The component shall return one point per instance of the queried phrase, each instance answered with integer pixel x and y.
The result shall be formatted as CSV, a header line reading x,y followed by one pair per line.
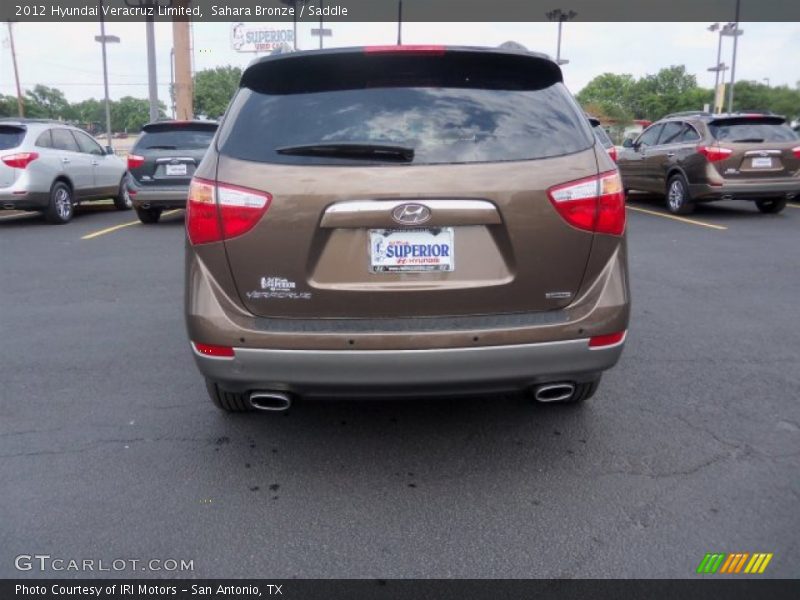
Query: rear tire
x,y
148,216
61,207
227,401
678,200
123,201
771,207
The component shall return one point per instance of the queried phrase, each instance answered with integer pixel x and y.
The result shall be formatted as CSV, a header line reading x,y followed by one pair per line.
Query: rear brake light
x,y
211,350
796,151
714,153
411,49
219,211
20,160
593,204
135,161
604,341
612,152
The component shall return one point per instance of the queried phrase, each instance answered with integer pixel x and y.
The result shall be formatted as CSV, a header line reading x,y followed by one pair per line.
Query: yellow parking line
x,y
793,205
677,218
95,234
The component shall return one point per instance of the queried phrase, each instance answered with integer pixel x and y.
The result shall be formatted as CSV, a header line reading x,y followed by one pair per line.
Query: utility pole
x,y
399,22
20,103
183,66
736,33
152,77
105,39
560,16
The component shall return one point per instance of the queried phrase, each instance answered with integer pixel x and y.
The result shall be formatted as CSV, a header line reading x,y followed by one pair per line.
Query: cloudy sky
x,y
66,55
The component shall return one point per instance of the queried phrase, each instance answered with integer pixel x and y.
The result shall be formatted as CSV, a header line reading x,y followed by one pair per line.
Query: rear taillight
x,y
796,152
20,160
211,350
592,204
714,153
135,161
612,152
411,49
220,211
606,341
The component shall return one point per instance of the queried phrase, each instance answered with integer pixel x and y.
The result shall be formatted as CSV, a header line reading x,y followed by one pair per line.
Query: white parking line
x,y
677,218
94,234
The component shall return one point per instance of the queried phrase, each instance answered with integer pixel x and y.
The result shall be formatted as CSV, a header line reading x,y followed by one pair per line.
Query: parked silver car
x,y
52,167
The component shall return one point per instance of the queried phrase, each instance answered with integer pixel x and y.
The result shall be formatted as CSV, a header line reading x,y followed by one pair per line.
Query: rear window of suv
x,y
182,138
751,130
10,137
443,114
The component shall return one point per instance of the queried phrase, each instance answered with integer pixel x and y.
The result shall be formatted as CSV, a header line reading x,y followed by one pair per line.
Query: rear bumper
x,y
159,196
749,190
24,201
399,372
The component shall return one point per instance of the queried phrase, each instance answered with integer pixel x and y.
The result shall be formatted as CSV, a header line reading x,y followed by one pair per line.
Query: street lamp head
x,y
559,15
107,39
713,27
562,61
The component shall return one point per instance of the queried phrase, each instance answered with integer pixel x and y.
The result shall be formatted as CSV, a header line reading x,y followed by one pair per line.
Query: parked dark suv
x,y
701,157
162,163
404,220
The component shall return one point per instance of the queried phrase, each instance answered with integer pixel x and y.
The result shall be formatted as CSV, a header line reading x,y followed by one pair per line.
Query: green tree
x,y
213,90
610,94
46,102
8,106
130,114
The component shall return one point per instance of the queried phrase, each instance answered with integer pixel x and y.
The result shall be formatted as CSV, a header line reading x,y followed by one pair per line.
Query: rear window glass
x,y
442,125
603,137
185,138
10,137
751,131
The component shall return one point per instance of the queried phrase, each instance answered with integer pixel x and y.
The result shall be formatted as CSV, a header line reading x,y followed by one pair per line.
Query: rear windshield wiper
x,y
748,141
157,147
351,150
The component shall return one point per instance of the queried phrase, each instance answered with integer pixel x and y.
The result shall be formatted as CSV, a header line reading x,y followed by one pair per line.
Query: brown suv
x,y
699,157
404,220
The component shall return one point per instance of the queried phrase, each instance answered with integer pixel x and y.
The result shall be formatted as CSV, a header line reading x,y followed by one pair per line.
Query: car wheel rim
x,y
675,195
126,196
63,204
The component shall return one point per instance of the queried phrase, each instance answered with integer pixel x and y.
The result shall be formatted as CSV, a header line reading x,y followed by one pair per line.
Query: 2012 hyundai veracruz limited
x,y
404,220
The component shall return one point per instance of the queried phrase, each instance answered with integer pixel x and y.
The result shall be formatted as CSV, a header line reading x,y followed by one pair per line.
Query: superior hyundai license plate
x,y
176,169
762,163
413,250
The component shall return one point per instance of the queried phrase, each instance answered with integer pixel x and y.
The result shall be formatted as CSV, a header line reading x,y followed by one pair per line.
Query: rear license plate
x,y
411,250
175,169
762,163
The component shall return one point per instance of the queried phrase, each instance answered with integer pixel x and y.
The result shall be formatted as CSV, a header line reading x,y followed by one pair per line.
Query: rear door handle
x,y
670,154
64,160
95,163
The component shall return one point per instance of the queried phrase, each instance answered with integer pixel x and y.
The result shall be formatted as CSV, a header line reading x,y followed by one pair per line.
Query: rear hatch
x,y
11,137
405,183
755,147
168,152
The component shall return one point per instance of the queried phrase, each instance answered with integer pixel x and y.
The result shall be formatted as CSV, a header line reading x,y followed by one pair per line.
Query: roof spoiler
x,y
400,66
173,124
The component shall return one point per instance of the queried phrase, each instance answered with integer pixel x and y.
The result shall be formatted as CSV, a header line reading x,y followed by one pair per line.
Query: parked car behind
x,y
602,137
52,167
162,162
404,220
699,157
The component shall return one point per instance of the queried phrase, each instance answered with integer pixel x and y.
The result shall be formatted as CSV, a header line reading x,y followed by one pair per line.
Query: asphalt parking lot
x,y
110,447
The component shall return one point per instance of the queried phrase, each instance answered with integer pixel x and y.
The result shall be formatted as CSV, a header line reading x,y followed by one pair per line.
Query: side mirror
x,y
109,150
627,143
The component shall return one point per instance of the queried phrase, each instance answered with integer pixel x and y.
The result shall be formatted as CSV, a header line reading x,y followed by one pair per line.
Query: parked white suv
x,y
52,167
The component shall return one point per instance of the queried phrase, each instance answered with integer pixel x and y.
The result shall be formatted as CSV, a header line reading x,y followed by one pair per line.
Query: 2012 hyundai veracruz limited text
x,y
404,220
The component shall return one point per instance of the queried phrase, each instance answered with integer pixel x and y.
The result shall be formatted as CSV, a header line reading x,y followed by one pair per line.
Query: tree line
x,y
610,96
622,97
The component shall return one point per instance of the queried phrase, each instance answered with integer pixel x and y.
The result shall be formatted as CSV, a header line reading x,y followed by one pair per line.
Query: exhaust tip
x,y
554,392
270,401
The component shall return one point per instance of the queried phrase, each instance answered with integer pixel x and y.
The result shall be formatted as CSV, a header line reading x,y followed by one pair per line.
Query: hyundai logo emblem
x,y
411,214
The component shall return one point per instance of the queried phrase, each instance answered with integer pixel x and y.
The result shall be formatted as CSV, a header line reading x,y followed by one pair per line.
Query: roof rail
x,y
688,113
31,120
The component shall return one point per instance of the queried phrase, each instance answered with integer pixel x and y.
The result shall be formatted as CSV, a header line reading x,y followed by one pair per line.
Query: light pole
x,y
105,39
560,16
712,28
735,32
20,104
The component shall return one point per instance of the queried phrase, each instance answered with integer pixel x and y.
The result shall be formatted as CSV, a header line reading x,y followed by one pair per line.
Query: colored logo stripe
x,y
734,562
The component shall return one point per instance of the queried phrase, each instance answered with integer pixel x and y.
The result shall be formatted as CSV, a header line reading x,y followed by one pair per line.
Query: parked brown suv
x,y
699,157
404,220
